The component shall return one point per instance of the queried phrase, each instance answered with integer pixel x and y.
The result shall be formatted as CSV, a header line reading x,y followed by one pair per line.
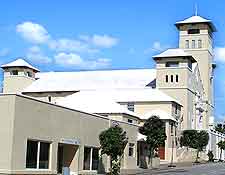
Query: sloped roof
x,y
94,102
159,113
196,19
73,81
137,95
19,63
174,53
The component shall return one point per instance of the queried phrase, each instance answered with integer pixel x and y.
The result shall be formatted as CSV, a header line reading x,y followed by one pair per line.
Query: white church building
x,y
51,120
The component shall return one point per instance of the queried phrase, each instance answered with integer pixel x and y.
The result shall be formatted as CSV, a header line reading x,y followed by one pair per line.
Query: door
x,y
162,153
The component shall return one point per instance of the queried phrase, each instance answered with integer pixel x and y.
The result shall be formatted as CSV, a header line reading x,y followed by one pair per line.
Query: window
x,y
177,78
31,160
44,155
29,74
130,106
131,150
199,43
37,155
167,78
193,31
193,44
190,64
49,98
91,158
14,72
171,78
171,128
187,44
176,109
129,120
172,64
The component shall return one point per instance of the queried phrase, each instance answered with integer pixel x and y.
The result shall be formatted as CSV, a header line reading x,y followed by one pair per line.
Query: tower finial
x,y
196,9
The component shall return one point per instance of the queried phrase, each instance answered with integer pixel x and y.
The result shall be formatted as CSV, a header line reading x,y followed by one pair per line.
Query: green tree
x,y
113,142
154,129
221,145
220,127
195,139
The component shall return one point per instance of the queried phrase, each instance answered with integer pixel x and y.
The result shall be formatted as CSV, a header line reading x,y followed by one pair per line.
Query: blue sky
x,y
76,35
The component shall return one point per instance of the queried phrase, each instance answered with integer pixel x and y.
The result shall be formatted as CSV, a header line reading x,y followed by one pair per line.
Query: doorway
x,y
66,157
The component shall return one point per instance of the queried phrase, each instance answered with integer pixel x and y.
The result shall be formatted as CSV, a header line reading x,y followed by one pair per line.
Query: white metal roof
x,y
196,19
102,79
159,113
172,53
136,95
94,102
19,63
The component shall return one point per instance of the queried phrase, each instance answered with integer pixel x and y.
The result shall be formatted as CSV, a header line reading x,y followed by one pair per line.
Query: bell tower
x,y
174,77
196,38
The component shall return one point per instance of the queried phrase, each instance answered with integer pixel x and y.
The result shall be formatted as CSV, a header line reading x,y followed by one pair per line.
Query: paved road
x,y
205,169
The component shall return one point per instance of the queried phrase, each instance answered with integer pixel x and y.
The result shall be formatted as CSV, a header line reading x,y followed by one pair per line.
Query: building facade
x,y
52,120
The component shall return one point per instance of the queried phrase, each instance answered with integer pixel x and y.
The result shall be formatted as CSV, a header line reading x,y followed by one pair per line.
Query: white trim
x,y
91,153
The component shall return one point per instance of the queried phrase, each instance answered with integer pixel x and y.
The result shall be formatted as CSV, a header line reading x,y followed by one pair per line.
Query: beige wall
x,y
16,83
6,132
42,121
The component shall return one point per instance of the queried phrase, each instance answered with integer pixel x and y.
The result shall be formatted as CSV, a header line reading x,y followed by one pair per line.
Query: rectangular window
x,y
91,158
171,78
187,44
95,159
29,74
129,121
172,64
171,128
87,158
190,64
199,43
177,78
130,106
167,78
14,72
37,155
193,31
176,109
131,150
31,158
193,44
44,155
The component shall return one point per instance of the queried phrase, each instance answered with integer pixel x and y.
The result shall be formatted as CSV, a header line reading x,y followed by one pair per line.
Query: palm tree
x,y
221,145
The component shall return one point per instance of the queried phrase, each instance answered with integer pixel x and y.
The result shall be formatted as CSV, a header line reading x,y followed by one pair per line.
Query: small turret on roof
x,y
196,20
174,53
19,63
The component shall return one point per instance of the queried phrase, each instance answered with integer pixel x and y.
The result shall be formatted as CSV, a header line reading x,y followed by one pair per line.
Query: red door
x,y
162,153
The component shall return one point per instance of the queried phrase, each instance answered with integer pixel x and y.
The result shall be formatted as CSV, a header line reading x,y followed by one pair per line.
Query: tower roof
x,y
174,53
19,63
196,19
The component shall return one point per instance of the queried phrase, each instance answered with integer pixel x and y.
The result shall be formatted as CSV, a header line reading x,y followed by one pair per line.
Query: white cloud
x,y
104,41
72,59
98,63
156,47
69,45
36,55
4,52
33,32
219,54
